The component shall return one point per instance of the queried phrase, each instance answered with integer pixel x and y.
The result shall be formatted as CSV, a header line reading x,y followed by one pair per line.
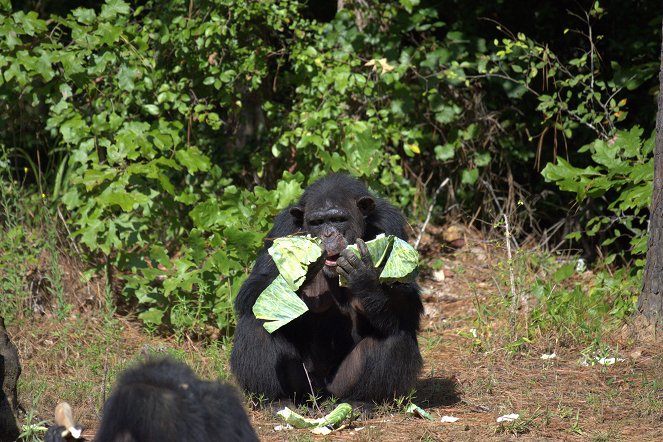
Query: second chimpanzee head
x,y
334,209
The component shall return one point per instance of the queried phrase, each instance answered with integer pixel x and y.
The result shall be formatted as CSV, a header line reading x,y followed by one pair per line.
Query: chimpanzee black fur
x,y
10,370
357,342
162,400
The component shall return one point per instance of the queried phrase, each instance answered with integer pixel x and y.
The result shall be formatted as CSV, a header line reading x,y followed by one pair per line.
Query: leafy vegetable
x,y
322,425
402,263
399,258
292,256
377,248
278,304
416,410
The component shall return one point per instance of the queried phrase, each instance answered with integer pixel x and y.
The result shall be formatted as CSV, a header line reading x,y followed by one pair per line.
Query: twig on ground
x,y
310,385
512,280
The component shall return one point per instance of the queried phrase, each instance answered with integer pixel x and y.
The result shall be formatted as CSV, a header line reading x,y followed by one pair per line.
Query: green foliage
x,y
155,121
579,95
30,272
581,312
126,92
562,302
169,134
622,174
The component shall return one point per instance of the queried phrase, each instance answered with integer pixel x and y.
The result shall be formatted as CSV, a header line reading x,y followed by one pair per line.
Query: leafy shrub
x,y
172,132
621,176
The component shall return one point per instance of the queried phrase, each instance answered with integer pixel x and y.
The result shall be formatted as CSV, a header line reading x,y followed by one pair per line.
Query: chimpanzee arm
x,y
388,307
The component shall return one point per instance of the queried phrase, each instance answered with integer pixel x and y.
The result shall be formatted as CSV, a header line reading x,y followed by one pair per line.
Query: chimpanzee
x,y
10,370
357,342
162,400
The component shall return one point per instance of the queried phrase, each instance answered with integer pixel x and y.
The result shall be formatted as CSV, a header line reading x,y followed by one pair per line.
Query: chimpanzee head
x,y
334,209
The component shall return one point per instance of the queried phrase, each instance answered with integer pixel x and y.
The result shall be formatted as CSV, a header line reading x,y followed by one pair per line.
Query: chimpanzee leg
x,y
378,369
266,364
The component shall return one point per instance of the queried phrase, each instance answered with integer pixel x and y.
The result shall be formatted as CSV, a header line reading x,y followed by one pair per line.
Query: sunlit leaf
x,y
292,256
278,304
322,425
401,266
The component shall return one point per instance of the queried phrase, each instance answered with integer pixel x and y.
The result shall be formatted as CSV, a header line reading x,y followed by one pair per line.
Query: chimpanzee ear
x,y
298,214
366,205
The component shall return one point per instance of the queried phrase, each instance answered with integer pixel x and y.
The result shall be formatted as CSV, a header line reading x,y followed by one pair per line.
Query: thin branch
x,y
430,211
310,385
512,280
69,236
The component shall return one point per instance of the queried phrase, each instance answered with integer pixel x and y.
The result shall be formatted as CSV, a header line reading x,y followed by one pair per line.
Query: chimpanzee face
x,y
336,222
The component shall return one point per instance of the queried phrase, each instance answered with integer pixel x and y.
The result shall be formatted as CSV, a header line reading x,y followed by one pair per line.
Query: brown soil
x,y
557,399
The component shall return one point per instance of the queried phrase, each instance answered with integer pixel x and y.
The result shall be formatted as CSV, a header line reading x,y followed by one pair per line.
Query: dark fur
x,y
10,370
363,347
162,400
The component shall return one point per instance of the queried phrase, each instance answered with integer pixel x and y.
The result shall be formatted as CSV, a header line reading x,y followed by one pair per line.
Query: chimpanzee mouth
x,y
330,261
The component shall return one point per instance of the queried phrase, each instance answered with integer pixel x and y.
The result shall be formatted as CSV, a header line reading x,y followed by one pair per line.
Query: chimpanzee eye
x,y
338,219
315,222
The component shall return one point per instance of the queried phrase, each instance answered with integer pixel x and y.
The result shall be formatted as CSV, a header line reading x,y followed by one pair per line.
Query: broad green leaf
x,y
402,263
84,15
470,176
112,8
322,425
444,152
377,248
416,410
152,316
278,304
292,256
193,159
400,259
151,109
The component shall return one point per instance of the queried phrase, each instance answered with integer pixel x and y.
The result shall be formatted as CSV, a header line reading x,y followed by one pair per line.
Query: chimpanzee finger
x,y
342,264
341,271
349,256
363,249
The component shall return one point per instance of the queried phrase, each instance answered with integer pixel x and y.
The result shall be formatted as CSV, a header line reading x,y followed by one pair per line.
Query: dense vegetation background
x,y
154,141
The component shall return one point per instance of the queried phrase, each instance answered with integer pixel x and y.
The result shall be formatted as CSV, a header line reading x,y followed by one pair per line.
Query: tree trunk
x,y
650,302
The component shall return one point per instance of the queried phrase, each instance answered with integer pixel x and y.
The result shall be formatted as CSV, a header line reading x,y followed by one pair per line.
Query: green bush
x,y
620,178
169,134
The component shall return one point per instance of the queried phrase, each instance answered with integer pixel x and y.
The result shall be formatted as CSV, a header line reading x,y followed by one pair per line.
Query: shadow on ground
x,y
438,392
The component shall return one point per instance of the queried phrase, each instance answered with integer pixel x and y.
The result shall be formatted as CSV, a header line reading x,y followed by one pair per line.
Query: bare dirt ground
x,y
557,399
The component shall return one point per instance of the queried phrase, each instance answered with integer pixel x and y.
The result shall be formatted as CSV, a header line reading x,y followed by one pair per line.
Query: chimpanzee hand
x,y
360,273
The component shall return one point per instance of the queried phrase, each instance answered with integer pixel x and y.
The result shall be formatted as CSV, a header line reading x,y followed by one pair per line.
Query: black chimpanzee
x,y
356,342
162,400
10,370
